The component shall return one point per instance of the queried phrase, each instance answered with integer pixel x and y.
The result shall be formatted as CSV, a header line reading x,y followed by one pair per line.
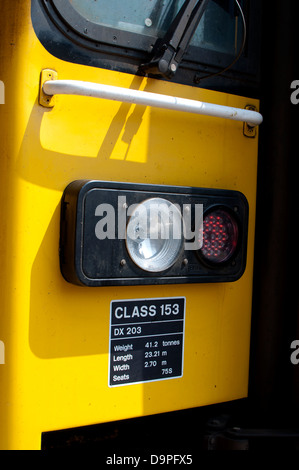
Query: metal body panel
x,y
56,335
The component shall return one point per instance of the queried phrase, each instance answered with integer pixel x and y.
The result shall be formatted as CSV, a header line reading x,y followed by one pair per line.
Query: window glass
x,y
149,17
220,28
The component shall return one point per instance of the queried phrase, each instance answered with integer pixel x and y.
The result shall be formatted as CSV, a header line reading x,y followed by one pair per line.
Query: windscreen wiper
x,y
169,51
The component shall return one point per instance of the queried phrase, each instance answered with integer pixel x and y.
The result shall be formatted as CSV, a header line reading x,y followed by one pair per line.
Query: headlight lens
x,y
155,235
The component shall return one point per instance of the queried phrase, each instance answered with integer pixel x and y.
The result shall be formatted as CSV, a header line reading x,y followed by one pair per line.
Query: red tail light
x,y
220,236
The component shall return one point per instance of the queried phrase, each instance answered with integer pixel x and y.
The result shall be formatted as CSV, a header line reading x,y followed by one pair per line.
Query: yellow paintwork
x,y
56,335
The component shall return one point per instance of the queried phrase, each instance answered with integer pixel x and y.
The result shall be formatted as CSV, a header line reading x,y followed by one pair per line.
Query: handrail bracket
x,y
47,101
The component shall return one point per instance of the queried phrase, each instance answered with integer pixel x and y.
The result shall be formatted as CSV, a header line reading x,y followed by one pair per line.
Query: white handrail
x,y
74,87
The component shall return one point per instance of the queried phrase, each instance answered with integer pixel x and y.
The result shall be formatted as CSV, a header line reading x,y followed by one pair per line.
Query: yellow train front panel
x,y
57,335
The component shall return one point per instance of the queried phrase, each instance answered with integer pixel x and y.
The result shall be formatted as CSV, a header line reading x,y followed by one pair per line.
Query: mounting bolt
x,y
148,22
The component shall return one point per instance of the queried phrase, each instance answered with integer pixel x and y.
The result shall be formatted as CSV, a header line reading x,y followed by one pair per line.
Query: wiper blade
x,y
169,51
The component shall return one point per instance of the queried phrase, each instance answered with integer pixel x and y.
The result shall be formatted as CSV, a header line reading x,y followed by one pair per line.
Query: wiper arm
x,y
169,51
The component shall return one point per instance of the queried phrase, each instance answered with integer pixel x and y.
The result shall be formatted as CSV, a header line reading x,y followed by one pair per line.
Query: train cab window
x,y
123,34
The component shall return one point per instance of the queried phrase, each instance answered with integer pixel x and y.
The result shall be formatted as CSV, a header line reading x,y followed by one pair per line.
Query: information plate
x,y
146,340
